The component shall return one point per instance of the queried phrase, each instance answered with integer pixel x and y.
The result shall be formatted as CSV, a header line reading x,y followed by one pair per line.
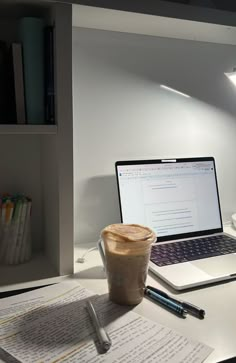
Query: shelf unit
x,y
28,129
37,160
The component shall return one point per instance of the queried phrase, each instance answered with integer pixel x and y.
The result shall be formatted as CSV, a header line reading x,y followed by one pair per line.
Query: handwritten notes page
x,y
60,330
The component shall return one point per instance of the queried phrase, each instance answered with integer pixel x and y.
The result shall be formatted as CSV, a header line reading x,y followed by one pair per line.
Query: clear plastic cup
x,y
127,254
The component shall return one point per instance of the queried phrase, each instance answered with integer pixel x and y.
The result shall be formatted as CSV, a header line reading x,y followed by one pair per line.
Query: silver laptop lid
x,y
177,198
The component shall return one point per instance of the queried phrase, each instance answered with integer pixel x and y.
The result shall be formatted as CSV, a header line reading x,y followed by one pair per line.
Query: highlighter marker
x,y
191,309
173,306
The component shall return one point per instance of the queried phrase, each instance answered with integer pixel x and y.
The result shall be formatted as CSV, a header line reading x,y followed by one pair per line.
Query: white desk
x,y
217,330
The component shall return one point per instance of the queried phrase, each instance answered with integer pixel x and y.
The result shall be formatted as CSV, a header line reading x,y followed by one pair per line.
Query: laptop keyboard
x,y
190,250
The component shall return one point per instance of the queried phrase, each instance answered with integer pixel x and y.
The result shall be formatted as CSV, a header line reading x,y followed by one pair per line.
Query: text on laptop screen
x,y
171,198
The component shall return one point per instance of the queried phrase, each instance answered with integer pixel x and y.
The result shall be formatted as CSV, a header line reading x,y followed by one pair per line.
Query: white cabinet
x,y
37,160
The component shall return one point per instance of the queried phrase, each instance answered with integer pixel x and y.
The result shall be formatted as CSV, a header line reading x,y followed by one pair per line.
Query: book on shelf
x,y
19,88
7,97
49,75
3,65
38,58
12,100
31,35
27,92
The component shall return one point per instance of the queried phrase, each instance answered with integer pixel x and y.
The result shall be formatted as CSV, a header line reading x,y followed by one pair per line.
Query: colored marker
x,y
191,309
173,306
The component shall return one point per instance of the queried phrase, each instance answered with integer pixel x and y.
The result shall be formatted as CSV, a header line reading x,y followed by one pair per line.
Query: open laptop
x,y
179,200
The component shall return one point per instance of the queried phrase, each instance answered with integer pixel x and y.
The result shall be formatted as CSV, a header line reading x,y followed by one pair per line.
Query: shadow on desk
x,y
63,323
230,360
20,291
95,272
6,357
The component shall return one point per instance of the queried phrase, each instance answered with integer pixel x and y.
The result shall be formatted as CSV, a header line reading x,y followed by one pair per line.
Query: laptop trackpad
x,y
218,266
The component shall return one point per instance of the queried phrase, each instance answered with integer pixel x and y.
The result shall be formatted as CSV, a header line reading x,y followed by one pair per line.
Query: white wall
x,y
121,113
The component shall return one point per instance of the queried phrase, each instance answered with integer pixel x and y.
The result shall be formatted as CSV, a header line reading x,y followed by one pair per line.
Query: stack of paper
x,y
52,325
15,240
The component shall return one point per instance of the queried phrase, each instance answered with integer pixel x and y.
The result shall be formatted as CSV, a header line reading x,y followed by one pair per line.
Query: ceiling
x,y
94,17
227,5
206,11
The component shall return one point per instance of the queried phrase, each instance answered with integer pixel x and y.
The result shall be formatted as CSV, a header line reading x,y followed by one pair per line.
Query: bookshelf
x,y
28,129
38,159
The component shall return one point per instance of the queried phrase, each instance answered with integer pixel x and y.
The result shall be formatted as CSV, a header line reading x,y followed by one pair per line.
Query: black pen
x,y
191,309
172,305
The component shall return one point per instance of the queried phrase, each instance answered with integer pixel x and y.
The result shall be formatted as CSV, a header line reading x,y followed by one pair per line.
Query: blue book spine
x,y
31,32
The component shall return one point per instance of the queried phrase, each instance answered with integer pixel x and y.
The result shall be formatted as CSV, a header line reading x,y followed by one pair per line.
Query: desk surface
x,y
216,330
219,301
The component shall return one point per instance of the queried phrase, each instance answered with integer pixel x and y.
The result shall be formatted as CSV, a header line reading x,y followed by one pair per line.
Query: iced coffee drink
x,y
127,250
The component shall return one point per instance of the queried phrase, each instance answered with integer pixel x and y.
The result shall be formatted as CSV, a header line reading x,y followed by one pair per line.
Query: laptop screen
x,y
177,198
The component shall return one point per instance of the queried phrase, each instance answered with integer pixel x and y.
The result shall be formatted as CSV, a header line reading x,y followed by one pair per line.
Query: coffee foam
x,y
128,232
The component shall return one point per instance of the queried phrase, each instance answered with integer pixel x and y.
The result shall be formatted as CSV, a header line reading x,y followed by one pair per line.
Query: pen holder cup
x,y
15,242
127,252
